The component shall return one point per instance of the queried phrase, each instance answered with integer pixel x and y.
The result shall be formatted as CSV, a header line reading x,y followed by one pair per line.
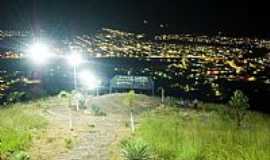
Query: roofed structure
x,y
124,82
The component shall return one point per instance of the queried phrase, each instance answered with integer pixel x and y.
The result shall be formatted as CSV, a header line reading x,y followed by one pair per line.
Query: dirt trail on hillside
x,y
92,136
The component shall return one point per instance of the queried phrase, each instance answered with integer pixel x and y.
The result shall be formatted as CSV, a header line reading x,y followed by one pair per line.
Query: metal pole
x,y
162,95
110,86
97,91
75,76
75,85
153,88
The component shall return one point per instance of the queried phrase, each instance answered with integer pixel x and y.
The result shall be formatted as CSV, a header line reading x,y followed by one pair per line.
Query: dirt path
x,y
92,136
95,142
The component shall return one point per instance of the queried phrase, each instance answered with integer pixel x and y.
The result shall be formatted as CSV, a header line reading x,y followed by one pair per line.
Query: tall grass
x,y
17,125
192,135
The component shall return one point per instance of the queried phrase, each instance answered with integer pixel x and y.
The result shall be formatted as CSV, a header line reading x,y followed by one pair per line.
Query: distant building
x,y
126,82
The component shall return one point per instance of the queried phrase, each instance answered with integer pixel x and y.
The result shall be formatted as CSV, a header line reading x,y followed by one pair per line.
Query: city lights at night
x,y
134,80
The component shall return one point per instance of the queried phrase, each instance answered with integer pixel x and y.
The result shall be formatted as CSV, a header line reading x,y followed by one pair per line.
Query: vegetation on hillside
x,y
207,132
194,135
204,132
238,107
18,124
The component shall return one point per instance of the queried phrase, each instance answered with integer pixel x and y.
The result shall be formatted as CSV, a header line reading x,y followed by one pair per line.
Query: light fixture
x,y
89,80
75,59
39,53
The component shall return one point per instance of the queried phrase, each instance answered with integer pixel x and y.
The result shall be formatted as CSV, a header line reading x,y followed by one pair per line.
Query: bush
x,y
130,98
64,94
68,143
97,111
238,107
135,149
14,97
78,97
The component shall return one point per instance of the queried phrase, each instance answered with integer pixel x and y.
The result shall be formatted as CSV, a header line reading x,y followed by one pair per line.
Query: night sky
x,y
192,16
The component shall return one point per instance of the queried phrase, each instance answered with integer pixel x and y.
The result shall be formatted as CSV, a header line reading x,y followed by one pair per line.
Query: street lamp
x,y
75,60
39,53
89,80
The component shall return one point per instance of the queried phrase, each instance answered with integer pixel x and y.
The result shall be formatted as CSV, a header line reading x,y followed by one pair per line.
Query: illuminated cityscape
x,y
134,80
200,59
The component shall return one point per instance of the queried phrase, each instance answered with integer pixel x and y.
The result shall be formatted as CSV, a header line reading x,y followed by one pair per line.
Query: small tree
x,y
130,98
238,107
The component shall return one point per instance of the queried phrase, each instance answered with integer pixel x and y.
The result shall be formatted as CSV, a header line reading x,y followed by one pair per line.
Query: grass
x,y
18,124
171,134
205,135
68,143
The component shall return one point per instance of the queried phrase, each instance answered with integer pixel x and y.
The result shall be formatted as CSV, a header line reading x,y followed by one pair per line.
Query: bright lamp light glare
x,y
39,53
75,59
89,80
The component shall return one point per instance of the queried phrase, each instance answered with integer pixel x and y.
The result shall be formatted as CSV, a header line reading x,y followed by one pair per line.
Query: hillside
x,y
91,136
48,129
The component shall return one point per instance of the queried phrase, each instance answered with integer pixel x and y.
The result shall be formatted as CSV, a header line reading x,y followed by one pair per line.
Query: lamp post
x,y
75,59
75,76
39,54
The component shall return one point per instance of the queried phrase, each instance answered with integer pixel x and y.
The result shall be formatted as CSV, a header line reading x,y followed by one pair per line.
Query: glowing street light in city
x,y
75,59
89,80
39,53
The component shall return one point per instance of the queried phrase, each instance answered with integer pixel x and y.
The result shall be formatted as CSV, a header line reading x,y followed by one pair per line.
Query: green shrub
x,y
238,107
130,98
68,143
78,97
14,97
64,94
135,149
97,110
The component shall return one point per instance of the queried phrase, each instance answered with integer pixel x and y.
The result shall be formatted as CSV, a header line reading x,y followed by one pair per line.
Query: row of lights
x,y
40,53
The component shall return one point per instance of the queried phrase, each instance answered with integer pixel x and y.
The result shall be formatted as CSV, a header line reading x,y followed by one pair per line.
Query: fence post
x,y
162,95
